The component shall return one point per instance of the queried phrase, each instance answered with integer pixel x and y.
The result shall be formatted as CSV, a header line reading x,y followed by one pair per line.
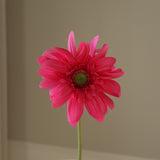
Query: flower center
x,y
81,78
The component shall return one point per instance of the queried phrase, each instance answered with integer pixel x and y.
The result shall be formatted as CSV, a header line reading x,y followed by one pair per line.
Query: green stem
x,y
79,141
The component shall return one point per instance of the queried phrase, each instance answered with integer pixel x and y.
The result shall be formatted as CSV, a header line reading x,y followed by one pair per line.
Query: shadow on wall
x,y
16,69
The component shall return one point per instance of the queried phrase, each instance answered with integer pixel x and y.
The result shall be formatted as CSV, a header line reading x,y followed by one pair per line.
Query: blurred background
x,y
132,30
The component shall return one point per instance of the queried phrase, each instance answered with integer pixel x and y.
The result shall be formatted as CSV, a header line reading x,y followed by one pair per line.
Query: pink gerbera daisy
x,y
81,77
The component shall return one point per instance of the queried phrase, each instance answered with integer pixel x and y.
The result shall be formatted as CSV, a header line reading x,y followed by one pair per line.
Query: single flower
x,y
82,77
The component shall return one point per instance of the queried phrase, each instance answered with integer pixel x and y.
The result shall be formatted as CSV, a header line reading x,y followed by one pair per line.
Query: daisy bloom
x,y
82,76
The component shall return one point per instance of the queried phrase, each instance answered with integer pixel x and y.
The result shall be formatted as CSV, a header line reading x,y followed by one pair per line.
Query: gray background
x,y
132,30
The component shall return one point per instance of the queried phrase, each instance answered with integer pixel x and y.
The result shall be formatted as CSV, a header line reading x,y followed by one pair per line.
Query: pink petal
x,y
48,83
92,46
108,101
53,54
60,54
65,53
96,107
41,60
113,74
49,53
103,51
82,53
75,108
60,94
105,64
48,73
51,63
112,87
71,43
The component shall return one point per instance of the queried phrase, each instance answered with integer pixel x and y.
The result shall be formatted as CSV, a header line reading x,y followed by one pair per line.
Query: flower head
x,y
81,77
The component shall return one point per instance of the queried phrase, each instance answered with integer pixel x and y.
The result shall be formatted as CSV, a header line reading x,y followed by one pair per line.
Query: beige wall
x,y
132,30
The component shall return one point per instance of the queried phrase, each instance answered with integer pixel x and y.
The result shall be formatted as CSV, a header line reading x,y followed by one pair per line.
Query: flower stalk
x,y
79,141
